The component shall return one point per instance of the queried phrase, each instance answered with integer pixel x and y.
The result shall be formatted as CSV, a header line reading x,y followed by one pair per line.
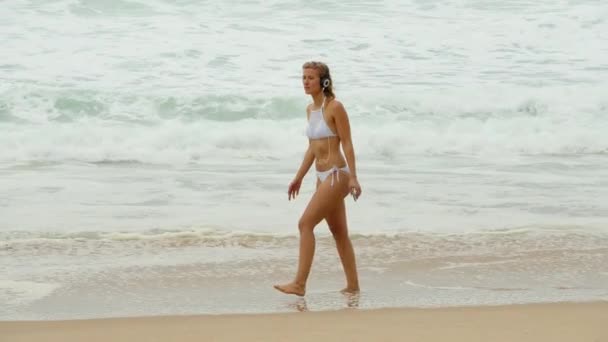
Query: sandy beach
x,y
553,322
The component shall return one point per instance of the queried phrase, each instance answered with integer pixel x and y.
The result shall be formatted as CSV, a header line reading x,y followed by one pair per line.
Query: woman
x,y
328,127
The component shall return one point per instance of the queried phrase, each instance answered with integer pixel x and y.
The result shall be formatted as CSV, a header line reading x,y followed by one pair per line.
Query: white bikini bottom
x,y
333,171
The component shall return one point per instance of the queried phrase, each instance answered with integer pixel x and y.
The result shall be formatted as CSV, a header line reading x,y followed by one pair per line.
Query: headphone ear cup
x,y
326,82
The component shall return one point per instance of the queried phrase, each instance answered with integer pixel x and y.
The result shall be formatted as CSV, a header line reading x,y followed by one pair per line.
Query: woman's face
x,y
311,81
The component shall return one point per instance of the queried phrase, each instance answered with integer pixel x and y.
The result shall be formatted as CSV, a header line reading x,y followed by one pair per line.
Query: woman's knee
x,y
304,226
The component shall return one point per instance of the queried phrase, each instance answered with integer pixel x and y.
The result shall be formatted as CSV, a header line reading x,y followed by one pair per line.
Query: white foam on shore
x,y
21,292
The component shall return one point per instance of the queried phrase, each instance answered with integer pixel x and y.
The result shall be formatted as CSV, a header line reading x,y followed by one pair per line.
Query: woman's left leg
x,y
323,201
336,220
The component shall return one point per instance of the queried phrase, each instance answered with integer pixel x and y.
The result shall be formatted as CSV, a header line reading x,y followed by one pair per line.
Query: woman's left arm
x,y
343,128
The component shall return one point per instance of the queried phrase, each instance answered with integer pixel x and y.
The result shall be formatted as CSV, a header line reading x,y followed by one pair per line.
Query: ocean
x,y
146,149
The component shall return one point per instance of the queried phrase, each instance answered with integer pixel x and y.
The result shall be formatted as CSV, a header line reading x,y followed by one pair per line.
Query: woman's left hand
x,y
354,187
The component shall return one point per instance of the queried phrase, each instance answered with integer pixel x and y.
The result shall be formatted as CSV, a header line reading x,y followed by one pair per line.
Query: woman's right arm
x,y
309,158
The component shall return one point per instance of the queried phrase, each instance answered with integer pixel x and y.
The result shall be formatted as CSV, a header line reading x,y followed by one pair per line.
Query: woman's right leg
x,y
336,220
323,201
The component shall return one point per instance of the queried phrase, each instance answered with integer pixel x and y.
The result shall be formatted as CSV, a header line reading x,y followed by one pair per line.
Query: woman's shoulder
x,y
335,105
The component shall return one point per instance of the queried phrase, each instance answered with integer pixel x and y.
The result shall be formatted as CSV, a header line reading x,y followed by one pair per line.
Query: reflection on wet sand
x,y
351,301
299,305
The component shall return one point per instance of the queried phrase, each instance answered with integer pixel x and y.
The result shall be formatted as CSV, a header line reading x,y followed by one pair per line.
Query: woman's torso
x,y
324,141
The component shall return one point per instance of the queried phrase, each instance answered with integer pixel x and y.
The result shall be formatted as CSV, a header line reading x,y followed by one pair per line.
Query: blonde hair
x,y
323,70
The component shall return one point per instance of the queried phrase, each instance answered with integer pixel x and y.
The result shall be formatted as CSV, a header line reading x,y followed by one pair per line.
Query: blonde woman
x,y
328,128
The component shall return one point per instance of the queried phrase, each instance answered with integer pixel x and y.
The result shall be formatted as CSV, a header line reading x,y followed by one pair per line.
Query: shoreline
x,y
557,321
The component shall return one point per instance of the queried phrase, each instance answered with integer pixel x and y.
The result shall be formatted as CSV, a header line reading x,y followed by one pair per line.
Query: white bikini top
x,y
317,127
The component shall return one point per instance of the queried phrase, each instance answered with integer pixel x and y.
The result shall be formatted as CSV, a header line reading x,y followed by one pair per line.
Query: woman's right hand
x,y
294,189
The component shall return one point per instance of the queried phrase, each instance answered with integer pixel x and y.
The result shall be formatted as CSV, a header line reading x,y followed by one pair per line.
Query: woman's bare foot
x,y
350,290
292,288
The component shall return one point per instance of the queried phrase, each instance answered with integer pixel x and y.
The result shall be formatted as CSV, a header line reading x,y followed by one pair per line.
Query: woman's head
x,y
316,78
